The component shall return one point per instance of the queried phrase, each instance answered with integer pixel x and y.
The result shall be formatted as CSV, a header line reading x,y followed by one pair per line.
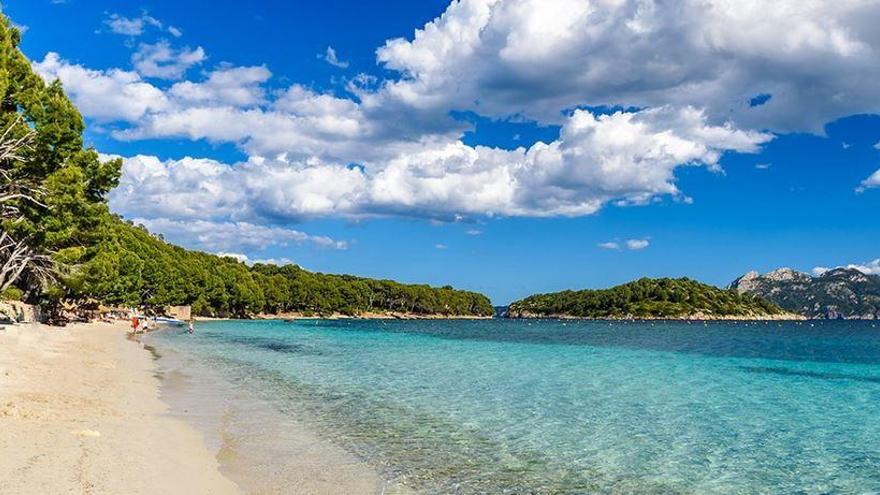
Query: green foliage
x,y
645,298
12,294
129,266
63,183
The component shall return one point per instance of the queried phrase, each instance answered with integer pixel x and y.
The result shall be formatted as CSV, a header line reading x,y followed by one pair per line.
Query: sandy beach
x,y
81,411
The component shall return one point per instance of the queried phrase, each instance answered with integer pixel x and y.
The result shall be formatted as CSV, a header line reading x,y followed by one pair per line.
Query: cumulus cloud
x,y
814,60
104,95
609,245
136,26
232,237
638,89
162,61
869,268
623,157
871,182
241,258
820,270
235,86
331,58
127,26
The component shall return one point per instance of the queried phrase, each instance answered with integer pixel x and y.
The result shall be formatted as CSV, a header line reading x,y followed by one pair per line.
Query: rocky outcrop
x,y
842,293
19,312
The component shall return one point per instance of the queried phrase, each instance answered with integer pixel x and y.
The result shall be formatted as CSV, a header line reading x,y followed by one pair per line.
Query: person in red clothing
x,y
135,323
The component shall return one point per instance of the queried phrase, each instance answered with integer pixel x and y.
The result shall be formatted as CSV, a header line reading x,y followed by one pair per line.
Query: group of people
x,y
138,326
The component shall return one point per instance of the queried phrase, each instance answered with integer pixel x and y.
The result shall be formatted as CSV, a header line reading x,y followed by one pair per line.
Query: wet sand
x,y
260,447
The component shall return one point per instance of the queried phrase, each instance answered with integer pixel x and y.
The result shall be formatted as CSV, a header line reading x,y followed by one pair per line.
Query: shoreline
x,y
687,318
341,316
80,412
260,447
89,408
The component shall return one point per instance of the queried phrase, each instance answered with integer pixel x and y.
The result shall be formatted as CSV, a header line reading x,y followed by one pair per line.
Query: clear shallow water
x,y
509,406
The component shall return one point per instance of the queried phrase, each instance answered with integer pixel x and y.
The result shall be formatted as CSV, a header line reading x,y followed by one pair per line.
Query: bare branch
x,y
18,258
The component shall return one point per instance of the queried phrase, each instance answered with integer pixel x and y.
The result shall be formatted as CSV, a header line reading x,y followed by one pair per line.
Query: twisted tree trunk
x,y
17,256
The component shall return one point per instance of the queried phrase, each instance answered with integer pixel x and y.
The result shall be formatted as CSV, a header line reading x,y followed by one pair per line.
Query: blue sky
x,y
399,159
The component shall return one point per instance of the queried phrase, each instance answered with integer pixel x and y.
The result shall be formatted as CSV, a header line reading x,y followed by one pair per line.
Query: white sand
x,y
80,413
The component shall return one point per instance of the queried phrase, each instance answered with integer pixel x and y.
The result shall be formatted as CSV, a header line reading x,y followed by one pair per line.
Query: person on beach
x,y
190,329
135,322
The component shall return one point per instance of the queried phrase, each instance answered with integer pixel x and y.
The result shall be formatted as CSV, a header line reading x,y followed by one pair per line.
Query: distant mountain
x,y
663,298
839,293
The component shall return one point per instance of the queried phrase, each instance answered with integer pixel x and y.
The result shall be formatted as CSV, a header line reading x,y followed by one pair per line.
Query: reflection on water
x,y
573,407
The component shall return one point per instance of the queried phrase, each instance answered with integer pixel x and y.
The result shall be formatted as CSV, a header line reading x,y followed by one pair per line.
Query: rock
x,y
835,294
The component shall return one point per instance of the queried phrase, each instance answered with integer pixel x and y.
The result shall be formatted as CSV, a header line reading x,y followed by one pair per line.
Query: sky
x,y
504,146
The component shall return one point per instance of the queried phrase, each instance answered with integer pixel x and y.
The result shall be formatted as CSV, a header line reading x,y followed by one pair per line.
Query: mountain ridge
x,y
839,293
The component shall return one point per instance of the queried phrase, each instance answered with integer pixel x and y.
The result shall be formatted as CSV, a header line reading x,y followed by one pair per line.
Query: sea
x,y
555,407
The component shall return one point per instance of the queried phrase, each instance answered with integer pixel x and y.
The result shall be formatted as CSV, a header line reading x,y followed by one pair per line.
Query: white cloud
x,y
687,70
820,270
877,145
631,244
232,237
869,268
135,26
816,60
241,258
440,246
637,244
131,26
624,157
273,261
331,58
236,86
104,95
762,166
474,232
161,61
871,182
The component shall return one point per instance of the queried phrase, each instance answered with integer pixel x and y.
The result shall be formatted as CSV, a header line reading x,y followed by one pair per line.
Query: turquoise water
x,y
507,406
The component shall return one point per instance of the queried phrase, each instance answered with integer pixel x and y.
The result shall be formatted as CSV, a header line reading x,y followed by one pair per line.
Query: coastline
x,y
80,412
260,447
525,315
340,316
86,409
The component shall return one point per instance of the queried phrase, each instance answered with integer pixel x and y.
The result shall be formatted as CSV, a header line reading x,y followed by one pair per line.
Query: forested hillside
x,y
129,266
647,298
60,243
